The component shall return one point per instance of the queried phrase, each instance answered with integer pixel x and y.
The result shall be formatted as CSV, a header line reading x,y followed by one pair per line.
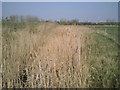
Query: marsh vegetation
x,y
48,54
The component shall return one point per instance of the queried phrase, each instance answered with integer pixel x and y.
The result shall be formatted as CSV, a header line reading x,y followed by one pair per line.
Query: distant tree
x,y
32,19
63,21
110,20
14,18
75,21
22,19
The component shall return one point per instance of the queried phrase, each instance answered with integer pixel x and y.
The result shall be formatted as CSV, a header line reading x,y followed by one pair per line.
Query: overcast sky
x,y
84,11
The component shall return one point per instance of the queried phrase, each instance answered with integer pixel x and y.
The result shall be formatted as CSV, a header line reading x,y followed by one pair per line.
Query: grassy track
x,y
104,62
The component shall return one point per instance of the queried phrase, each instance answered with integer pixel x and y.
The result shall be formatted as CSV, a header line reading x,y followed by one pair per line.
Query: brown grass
x,y
49,55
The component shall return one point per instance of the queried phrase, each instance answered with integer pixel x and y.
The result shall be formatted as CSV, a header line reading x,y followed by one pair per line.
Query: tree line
x,y
22,19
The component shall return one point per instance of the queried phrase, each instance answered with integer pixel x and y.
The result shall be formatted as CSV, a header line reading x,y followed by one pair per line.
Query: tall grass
x,y
51,55
46,56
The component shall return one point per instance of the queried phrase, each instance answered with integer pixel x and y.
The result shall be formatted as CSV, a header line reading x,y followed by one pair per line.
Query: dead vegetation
x,y
49,55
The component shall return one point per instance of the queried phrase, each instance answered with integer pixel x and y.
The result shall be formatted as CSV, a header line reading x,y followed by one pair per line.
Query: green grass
x,y
15,26
104,60
112,31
